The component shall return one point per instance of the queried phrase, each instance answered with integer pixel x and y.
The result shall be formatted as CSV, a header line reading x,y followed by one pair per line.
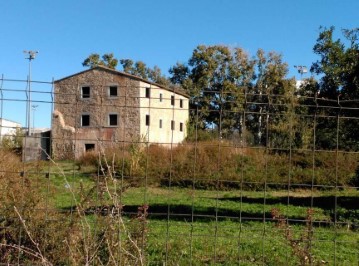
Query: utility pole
x,y
31,56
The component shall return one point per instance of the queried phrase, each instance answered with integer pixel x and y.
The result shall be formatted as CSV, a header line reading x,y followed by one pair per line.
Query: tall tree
x,y
338,66
140,69
137,68
224,84
94,59
272,101
212,79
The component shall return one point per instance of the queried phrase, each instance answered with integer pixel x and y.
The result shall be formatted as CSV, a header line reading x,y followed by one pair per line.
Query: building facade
x,y
8,128
102,107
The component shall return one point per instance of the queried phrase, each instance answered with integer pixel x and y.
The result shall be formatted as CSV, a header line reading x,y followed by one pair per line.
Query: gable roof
x,y
116,72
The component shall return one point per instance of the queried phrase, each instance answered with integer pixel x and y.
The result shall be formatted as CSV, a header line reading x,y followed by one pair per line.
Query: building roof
x,y
116,72
8,120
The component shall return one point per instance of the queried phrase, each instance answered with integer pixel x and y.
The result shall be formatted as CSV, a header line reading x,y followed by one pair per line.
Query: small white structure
x,y
8,127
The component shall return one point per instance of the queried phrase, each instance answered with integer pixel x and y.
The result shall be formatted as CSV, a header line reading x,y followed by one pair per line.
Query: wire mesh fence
x,y
132,173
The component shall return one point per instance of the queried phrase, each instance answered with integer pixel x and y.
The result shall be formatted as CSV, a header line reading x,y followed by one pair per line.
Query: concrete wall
x,y
36,147
157,110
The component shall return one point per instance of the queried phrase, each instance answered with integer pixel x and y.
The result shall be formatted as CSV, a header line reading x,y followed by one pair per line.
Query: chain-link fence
x,y
259,179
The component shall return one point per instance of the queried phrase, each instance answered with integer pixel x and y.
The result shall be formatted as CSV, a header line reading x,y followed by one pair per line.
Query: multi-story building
x,y
102,106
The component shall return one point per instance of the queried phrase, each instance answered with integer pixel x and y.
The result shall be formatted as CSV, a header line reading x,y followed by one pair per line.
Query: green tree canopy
x,y
94,59
222,80
137,68
338,88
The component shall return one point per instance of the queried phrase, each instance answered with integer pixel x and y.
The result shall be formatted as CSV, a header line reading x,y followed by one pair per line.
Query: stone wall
x,y
69,136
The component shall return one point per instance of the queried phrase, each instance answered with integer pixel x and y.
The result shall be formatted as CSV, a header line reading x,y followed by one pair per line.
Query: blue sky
x,y
158,32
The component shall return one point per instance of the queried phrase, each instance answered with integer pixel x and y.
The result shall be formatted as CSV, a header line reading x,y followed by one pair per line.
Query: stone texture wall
x,y
69,137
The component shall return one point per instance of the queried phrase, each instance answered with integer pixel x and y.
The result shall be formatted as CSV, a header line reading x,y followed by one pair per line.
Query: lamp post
x,y
301,70
31,56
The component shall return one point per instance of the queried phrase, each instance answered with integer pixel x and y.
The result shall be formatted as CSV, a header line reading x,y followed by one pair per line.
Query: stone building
x,y
102,107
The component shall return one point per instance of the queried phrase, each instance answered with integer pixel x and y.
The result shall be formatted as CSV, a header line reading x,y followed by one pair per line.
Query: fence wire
x,y
261,179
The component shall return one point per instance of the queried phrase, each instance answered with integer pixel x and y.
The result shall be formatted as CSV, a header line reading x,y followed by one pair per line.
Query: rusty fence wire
x,y
260,179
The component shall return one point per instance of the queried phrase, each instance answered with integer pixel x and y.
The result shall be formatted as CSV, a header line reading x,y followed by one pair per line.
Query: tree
x,y
235,93
94,60
339,88
214,78
137,68
140,69
272,103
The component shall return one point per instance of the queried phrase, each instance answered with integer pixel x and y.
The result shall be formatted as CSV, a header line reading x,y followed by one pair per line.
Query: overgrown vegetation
x,y
102,217
34,232
222,165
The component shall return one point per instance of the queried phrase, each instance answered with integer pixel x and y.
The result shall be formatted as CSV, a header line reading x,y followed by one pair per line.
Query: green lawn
x,y
192,226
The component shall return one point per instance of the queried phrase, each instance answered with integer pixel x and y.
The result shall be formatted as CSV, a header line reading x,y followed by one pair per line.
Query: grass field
x,y
192,226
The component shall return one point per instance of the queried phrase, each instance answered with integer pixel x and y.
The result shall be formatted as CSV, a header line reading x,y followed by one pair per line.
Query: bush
x,y
20,218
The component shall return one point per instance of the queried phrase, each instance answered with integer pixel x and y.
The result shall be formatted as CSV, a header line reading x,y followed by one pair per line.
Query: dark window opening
x,y
85,92
172,100
172,125
181,127
181,103
148,92
160,123
89,147
161,97
147,120
113,91
112,119
85,120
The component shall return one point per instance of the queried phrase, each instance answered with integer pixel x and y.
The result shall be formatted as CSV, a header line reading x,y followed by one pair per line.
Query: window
x,y
89,147
172,100
85,92
172,125
181,103
112,91
112,120
148,92
160,123
161,97
85,120
181,127
147,120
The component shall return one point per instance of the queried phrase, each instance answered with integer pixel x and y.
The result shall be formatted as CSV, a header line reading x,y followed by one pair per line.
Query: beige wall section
x,y
162,110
